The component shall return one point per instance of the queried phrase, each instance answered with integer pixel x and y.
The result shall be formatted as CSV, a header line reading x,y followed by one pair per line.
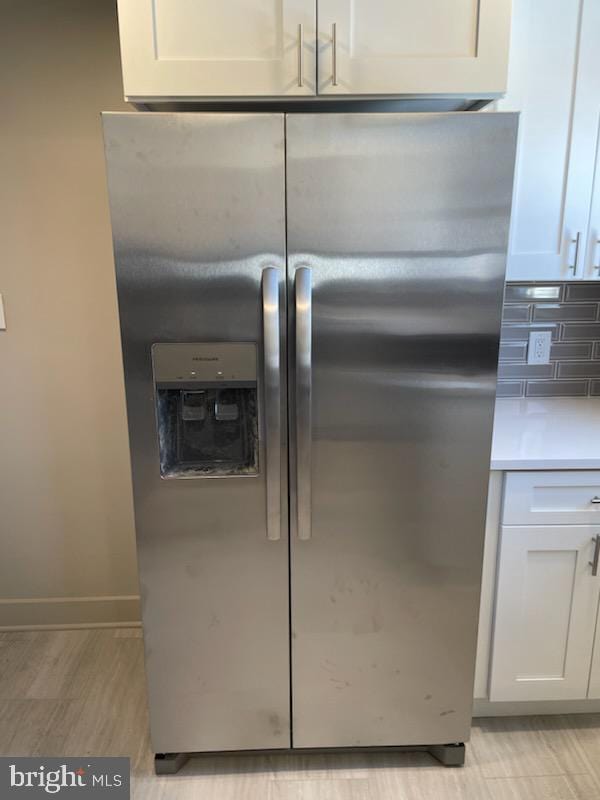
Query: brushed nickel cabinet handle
x,y
595,500
575,241
272,394
300,55
334,79
303,286
597,265
594,564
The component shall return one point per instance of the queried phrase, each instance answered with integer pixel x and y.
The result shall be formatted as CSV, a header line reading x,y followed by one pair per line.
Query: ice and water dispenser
x,y
206,409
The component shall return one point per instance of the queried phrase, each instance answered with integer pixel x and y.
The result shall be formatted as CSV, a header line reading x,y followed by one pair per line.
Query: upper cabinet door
x,y
413,47
211,48
591,271
588,94
554,81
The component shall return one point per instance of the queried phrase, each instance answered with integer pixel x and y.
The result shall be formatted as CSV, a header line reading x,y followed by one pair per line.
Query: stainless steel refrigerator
x,y
310,312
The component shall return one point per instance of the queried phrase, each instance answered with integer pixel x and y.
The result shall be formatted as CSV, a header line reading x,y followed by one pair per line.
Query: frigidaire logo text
x,y
205,358
52,781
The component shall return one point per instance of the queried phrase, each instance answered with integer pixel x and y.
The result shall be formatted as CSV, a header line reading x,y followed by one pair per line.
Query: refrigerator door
x,y
397,235
197,205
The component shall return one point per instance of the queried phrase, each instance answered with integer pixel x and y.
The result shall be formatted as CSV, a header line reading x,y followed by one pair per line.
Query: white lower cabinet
x,y
546,609
544,643
594,687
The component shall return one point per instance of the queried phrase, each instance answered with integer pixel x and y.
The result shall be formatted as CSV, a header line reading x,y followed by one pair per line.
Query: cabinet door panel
x,y
589,89
592,257
413,47
594,687
546,608
553,90
206,48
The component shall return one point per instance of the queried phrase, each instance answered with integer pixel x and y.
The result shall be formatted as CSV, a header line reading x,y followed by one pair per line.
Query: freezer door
x,y
397,234
197,205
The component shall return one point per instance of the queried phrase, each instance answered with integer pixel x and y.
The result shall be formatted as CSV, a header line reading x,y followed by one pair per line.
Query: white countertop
x,y
547,433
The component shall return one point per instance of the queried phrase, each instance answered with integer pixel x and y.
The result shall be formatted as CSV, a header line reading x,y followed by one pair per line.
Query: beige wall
x,y
66,523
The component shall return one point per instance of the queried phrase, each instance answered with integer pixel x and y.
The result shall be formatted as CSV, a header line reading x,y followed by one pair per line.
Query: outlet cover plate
x,y
538,350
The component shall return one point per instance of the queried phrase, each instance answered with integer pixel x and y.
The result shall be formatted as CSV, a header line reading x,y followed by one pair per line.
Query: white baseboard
x,y
484,708
35,613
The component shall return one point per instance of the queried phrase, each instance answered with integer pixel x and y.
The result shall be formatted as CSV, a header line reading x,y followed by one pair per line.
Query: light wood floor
x,y
82,693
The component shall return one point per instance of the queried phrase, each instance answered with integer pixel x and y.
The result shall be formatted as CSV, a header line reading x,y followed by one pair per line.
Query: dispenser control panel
x,y
214,362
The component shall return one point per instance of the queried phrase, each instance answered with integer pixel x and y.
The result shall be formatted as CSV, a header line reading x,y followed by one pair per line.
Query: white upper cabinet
x,y
185,49
592,256
413,47
217,48
590,66
554,81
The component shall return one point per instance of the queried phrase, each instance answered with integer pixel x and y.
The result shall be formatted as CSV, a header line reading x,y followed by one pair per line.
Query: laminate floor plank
x,y
22,659
544,787
512,747
322,789
436,784
584,729
62,664
34,727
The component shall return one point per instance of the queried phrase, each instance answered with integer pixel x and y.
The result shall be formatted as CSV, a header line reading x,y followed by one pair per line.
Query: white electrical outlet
x,y
538,351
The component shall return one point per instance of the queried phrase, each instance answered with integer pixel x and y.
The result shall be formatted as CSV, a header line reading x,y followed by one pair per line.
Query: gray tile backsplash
x,y
564,311
567,351
571,312
577,292
556,389
581,331
532,292
513,370
579,369
516,314
520,332
509,389
514,351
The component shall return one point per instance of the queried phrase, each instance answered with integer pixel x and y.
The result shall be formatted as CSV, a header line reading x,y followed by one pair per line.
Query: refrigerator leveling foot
x,y
169,763
450,755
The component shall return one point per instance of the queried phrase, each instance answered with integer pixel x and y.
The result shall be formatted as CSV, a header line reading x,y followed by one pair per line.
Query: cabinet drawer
x,y
552,498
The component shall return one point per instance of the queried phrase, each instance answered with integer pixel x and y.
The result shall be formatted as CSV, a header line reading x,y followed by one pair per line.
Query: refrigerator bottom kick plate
x,y
449,755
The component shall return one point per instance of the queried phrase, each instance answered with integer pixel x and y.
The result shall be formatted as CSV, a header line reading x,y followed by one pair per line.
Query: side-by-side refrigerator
x,y
310,312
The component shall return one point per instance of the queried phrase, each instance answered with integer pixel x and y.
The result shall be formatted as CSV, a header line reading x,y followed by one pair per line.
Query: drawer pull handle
x,y
594,564
595,500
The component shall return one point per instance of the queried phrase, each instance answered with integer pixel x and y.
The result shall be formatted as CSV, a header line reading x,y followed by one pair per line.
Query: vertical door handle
x,y
300,54
597,259
303,292
272,395
594,564
334,79
575,241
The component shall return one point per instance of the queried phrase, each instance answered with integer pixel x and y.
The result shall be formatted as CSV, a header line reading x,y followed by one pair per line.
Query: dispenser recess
x,y
206,409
